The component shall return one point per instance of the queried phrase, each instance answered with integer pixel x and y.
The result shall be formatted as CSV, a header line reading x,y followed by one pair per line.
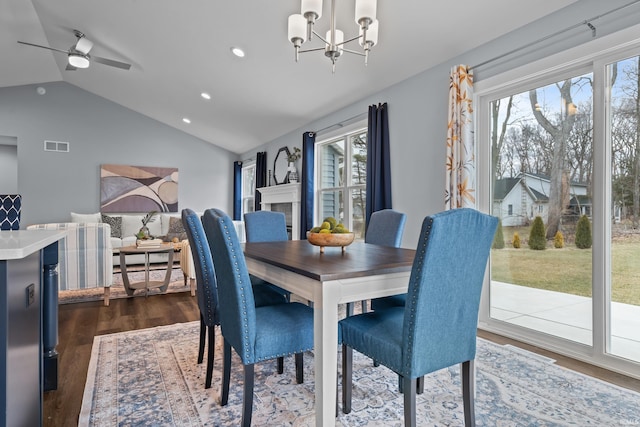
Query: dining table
x,y
362,271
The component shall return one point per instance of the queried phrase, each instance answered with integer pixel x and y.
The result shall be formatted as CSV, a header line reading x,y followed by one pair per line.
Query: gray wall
x,y
418,105
8,165
99,131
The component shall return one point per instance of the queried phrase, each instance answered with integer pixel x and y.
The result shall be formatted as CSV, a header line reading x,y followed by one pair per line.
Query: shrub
x,y
498,238
583,233
516,240
537,239
558,240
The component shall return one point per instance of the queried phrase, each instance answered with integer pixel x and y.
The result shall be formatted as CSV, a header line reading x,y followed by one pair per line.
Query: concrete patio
x,y
566,316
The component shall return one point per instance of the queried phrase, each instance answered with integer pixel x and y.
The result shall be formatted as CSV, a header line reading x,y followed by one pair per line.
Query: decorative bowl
x,y
330,239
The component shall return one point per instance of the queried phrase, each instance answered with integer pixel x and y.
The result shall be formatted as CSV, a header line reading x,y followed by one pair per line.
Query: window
x,y
341,170
248,187
561,137
510,210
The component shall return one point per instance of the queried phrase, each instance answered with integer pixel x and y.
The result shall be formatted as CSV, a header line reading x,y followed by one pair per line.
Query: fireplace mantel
x,y
284,193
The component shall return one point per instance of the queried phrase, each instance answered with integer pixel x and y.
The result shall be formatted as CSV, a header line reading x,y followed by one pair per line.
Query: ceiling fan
x,y
78,54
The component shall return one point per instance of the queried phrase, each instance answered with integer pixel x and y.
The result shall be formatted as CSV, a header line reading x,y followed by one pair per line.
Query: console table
x,y
28,335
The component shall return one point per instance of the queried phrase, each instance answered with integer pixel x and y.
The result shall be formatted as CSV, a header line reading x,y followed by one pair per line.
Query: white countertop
x,y
16,244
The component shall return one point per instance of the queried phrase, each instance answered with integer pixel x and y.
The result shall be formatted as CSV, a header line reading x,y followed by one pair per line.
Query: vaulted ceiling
x,y
179,49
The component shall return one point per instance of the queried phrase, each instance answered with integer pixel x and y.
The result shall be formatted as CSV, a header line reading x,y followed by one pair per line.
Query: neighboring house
x,y
517,201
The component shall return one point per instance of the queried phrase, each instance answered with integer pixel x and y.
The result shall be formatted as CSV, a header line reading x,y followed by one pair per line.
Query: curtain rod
x,y
586,22
346,121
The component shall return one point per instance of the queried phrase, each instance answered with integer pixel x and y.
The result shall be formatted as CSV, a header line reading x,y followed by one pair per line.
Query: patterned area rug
x,y
150,378
117,289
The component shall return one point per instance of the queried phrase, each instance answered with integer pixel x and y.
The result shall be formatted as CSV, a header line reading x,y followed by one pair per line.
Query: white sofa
x,y
125,226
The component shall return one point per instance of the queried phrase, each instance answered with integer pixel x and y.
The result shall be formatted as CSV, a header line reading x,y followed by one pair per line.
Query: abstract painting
x,y
135,189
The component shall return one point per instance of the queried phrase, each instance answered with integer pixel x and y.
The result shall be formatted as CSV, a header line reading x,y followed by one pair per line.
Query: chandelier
x,y
301,29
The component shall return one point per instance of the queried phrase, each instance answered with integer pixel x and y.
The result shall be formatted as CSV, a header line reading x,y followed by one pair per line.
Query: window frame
x,y
247,167
347,188
593,57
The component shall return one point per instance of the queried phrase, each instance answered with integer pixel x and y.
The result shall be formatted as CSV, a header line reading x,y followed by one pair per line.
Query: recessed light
x,y
186,120
237,52
205,95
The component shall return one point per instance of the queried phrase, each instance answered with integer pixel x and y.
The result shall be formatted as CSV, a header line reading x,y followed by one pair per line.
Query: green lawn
x,y
568,269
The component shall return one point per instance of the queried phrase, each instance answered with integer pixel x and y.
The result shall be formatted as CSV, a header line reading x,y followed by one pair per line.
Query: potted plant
x,y
293,172
144,231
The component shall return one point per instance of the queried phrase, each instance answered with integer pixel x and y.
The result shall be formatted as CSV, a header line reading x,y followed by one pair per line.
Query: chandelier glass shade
x,y
301,29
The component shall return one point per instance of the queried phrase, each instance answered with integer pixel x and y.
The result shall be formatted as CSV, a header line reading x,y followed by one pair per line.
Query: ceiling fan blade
x,y
44,47
111,62
70,67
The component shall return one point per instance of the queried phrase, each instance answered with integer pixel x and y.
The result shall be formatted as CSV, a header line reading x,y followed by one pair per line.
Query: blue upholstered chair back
x,y
206,290
385,228
265,226
10,209
441,312
238,318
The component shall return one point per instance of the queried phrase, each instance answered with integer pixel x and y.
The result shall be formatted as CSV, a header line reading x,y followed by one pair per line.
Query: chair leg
x,y
299,358
247,402
468,392
347,380
210,350
280,365
420,385
409,391
226,373
203,333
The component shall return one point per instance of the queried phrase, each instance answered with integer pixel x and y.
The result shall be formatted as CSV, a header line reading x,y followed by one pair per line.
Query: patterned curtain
x,y
461,162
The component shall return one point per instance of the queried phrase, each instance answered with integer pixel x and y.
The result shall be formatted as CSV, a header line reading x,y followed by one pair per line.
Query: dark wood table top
x,y
359,259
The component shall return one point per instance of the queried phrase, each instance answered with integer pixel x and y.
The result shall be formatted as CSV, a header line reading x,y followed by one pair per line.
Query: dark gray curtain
x,y
237,190
261,177
306,184
378,161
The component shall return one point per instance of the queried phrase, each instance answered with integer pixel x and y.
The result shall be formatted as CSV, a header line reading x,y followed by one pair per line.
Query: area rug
x,y
150,378
117,289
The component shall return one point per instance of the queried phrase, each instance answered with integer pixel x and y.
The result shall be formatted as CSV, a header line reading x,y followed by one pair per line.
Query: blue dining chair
x,y
267,226
255,333
439,321
385,228
206,288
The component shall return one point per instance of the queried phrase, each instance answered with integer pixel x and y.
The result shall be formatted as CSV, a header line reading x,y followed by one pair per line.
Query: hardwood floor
x,y
79,323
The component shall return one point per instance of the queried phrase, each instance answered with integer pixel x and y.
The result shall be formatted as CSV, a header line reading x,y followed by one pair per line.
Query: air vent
x,y
59,146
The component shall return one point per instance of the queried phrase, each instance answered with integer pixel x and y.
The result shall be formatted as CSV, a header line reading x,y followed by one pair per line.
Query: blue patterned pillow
x,y
10,208
116,224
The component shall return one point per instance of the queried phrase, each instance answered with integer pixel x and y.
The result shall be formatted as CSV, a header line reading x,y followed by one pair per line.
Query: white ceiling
x,y
179,49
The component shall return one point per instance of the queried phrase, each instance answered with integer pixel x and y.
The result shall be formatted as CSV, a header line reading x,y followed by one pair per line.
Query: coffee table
x,y
130,287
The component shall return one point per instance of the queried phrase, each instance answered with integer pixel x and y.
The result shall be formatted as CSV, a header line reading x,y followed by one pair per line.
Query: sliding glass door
x,y
623,133
559,164
541,170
